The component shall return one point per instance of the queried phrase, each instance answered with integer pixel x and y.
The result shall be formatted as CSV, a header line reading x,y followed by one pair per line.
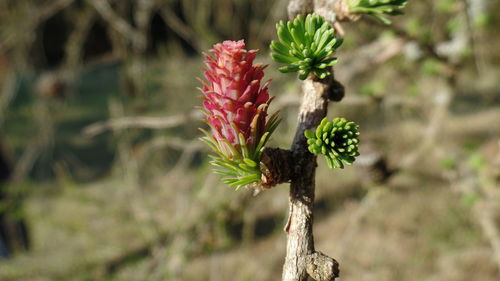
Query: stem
x,y
300,242
301,258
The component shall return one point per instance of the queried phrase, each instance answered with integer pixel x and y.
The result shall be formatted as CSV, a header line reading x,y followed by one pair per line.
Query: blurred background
x,y
102,176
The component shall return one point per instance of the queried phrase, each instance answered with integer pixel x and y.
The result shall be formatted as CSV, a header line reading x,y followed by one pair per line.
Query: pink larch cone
x,y
235,103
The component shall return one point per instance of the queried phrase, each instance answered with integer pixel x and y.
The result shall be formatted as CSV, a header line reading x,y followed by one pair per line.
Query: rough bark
x,y
300,242
301,258
277,167
321,267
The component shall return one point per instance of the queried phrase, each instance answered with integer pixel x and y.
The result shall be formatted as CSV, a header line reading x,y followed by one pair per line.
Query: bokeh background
x,y
102,176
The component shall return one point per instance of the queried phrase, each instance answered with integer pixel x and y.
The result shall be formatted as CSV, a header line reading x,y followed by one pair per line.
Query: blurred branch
x,y
40,144
9,90
442,100
48,10
178,143
163,122
365,57
140,122
198,15
158,143
474,10
36,15
118,23
481,184
135,33
478,123
368,202
122,123
25,163
75,43
143,15
188,152
428,48
449,53
487,215
183,30
483,122
274,15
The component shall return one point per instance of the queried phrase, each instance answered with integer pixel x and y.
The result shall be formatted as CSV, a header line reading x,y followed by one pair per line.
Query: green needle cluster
x,y
377,8
240,164
337,140
305,45
237,173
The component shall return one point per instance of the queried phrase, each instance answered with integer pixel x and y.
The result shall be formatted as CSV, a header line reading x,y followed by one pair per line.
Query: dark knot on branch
x,y
321,267
336,92
276,166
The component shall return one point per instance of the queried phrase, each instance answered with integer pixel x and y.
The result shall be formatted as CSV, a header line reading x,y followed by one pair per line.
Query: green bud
x,y
336,139
310,41
377,8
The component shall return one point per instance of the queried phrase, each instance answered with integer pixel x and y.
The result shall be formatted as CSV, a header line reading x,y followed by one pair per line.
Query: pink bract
x,y
235,102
